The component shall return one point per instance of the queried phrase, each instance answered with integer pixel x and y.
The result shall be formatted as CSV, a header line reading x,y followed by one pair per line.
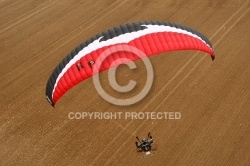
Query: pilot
x,y
145,144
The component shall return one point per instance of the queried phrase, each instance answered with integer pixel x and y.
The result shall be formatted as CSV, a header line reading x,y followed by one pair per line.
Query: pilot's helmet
x,y
144,140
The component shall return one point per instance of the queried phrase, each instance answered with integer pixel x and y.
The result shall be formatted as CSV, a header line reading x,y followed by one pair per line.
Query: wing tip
x,y
51,103
213,57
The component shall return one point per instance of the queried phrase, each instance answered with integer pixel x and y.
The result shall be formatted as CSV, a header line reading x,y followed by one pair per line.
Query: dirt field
x,y
212,97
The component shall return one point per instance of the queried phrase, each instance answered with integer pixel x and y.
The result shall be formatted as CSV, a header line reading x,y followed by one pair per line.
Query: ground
x,y
212,97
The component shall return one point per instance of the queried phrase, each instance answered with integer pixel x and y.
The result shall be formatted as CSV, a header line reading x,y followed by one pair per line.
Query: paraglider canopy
x,y
150,37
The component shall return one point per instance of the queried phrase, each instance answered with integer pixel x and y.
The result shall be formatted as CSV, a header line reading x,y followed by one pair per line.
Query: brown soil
x,y
212,97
